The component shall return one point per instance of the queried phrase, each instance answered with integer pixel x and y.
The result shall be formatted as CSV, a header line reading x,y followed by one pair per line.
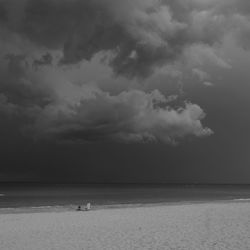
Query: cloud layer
x,y
140,35
51,107
77,70
131,116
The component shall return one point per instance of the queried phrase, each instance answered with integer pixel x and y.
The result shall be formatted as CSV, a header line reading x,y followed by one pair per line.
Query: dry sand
x,y
187,226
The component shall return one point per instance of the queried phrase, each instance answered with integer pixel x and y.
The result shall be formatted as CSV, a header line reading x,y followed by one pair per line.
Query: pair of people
x,y
86,208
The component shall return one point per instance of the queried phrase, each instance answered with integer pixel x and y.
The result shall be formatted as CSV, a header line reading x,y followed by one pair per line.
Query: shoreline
x,y
73,207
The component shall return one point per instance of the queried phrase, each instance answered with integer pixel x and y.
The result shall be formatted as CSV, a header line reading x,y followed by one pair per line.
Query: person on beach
x,y
88,206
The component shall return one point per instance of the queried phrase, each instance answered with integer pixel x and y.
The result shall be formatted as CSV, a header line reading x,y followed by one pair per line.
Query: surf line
x,y
242,199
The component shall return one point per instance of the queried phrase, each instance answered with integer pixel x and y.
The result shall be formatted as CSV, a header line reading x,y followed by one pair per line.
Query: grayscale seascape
x,y
124,124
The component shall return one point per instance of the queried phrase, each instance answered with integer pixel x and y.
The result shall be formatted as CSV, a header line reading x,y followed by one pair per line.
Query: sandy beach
x,y
179,226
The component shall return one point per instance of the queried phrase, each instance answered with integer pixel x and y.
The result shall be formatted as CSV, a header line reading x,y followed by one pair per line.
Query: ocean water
x,y
37,195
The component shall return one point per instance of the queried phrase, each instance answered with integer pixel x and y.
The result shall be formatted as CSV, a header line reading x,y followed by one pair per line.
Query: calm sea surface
x,y
31,195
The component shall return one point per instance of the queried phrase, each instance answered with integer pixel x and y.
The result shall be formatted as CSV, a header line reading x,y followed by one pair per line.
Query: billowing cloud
x,y
81,69
141,35
132,116
52,107
55,108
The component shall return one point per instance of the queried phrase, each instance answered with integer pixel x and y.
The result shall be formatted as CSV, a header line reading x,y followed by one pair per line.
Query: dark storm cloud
x,y
46,59
83,28
42,39
86,113
140,34
21,87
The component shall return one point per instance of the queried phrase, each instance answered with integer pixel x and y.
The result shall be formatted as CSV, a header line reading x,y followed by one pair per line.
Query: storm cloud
x,y
140,35
50,76
62,110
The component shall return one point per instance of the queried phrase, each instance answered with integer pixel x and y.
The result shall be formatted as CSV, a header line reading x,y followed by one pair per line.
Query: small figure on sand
x,y
87,208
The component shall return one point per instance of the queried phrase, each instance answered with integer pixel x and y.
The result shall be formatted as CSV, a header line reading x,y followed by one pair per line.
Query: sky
x,y
125,91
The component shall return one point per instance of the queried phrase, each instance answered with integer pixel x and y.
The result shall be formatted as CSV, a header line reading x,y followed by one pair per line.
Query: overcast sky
x,y
125,91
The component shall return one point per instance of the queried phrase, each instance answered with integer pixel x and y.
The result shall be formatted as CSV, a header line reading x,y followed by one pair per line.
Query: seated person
x,y
88,206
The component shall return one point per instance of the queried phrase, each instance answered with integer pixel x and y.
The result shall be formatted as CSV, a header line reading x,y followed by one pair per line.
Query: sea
x,y
27,195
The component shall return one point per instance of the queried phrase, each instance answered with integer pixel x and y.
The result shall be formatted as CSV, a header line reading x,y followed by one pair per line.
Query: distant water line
x,y
27,195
